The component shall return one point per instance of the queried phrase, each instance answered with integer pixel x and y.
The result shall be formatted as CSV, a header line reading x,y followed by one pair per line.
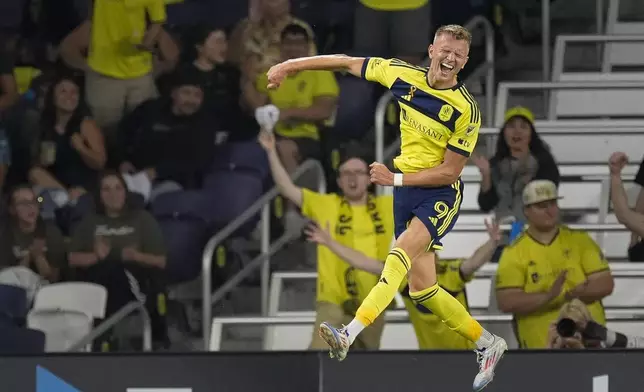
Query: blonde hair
x,y
457,31
575,310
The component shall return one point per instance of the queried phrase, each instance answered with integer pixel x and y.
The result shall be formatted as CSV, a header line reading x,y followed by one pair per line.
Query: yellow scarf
x,y
344,235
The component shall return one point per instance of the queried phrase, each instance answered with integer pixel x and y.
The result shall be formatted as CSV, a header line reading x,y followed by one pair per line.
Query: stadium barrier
x,y
530,371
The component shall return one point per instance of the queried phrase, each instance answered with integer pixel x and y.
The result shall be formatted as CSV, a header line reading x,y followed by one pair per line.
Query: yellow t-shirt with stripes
x,y
118,26
431,120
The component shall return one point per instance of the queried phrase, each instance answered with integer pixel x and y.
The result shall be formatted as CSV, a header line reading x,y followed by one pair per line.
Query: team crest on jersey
x,y
446,112
470,129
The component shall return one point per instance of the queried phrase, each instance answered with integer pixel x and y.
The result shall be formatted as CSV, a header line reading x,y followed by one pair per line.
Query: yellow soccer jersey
x,y
299,91
431,120
325,208
118,26
533,267
431,332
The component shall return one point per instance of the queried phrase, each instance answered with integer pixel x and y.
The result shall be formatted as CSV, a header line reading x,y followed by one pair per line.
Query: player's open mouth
x,y
446,67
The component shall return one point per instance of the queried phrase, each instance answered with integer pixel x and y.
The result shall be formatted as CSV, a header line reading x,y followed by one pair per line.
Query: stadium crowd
x,y
126,142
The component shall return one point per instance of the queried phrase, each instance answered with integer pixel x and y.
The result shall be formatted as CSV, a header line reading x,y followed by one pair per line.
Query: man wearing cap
x,y
547,266
357,220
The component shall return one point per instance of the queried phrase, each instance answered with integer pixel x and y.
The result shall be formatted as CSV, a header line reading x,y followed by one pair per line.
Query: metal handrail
x,y
383,102
562,40
560,51
505,87
113,320
545,32
261,204
391,316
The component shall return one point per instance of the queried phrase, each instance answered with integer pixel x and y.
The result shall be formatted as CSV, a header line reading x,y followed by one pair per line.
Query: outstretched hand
x,y
318,235
493,230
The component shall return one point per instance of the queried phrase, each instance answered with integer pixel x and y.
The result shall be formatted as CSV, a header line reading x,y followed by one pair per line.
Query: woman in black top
x,y
521,156
70,150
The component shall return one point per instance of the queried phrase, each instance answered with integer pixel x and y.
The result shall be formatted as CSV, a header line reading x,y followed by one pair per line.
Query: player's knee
x,y
423,272
415,240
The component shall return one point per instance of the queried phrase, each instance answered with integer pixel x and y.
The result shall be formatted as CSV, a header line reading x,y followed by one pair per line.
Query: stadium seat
x,y
65,312
354,116
18,340
87,298
62,328
185,225
13,304
622,54
596,103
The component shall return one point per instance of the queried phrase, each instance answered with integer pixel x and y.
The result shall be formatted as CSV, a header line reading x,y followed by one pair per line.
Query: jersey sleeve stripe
x,y
400,63
475,105
458,150
474,115
365,64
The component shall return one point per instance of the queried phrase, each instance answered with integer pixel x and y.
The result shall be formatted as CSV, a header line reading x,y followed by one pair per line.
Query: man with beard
x,y
358,220
439,124
168,142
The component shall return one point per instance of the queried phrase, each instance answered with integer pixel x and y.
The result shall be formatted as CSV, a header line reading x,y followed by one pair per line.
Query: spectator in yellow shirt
x,y
431,332
358,220
548,265
305,100
393,28
119,63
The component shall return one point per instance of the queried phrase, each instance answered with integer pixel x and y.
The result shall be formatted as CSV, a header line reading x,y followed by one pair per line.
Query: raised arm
x,y
357,259
280,176
633,220
484,252
332,62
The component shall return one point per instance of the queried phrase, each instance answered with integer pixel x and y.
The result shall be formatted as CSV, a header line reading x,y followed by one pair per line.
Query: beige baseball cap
x,y
539,190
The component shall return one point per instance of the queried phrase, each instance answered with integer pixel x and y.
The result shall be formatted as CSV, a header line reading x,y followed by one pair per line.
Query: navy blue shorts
x,y
437,208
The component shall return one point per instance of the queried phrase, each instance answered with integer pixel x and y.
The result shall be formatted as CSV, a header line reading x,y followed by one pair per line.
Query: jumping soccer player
x,y
439,125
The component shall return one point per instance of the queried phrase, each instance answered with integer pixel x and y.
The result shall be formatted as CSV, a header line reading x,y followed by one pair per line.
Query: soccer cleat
x,y
337,339
488,358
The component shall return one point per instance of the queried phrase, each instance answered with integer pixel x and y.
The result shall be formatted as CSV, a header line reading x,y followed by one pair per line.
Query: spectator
x,y
632,219
547,265
221,83
576,329
358,220
29,241
5,157
70,151
389,28
119,65
8,86
636,246
521,156
304,100
169,140
452,275
122,249
256,40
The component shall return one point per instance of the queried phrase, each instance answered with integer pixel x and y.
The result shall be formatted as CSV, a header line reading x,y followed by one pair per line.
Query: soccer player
x,y
439,123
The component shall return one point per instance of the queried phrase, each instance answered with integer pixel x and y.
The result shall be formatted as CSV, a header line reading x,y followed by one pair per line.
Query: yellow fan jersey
x,y
431,120
533,267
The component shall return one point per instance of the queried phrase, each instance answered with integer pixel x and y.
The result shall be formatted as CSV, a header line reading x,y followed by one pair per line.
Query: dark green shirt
x,y
15,245
136,229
